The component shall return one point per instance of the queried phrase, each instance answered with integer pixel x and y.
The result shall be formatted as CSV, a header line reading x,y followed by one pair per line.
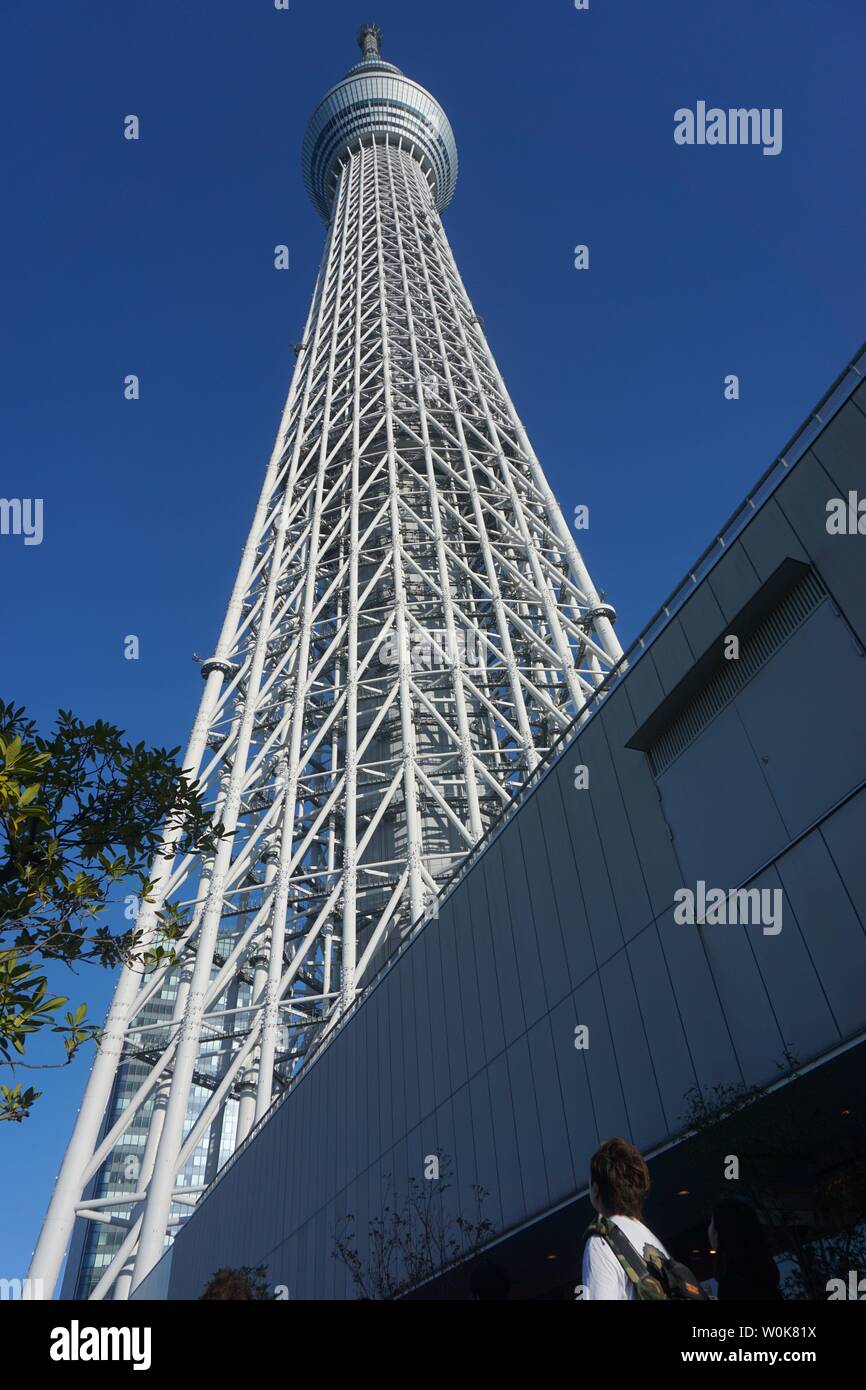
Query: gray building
x,y
732,765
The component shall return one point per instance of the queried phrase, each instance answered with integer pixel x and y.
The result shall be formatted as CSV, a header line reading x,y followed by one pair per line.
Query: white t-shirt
x,y
603,1276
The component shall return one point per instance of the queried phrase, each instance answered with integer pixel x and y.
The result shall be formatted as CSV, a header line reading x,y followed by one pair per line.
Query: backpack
x,y
655,1276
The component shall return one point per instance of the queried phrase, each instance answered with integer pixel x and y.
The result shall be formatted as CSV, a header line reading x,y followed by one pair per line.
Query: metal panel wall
x,y
467,1044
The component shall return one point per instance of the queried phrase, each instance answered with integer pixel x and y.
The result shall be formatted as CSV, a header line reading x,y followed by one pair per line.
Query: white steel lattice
x,y
411,627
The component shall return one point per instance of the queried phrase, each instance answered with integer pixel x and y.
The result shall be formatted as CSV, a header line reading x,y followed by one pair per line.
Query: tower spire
x,y
370,40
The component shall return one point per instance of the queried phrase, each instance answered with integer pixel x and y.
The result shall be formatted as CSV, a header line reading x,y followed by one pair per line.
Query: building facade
x,y
563,995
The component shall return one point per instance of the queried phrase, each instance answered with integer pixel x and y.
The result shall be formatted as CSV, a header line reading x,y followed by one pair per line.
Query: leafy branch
x,y
81,811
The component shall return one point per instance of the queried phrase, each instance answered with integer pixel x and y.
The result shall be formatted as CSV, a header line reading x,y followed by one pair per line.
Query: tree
x,y
81,812
243,1285
413,1239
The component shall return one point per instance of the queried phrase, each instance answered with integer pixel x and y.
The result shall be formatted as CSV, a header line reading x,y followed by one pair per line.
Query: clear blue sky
x,y
156,258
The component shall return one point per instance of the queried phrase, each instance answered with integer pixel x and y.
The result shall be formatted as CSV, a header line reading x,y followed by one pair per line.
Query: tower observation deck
x,y
410,628
376,103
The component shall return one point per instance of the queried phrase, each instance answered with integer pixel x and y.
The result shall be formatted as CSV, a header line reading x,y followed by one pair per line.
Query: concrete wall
x,y
467,1044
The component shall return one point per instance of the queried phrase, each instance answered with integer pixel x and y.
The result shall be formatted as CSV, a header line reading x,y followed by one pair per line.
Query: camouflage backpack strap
x,y
644,1276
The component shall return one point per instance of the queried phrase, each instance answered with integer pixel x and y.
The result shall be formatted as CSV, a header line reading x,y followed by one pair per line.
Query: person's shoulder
x,y
639,1235
603,1274
596,1249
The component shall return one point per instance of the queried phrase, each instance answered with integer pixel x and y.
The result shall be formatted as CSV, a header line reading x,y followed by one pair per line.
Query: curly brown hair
x,y
622,1177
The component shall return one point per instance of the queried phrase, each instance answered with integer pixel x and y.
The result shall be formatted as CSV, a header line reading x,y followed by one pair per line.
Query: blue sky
x,y
156,257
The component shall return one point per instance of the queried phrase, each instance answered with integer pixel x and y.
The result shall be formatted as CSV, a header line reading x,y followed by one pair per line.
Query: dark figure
x,y
745,1269
490,1281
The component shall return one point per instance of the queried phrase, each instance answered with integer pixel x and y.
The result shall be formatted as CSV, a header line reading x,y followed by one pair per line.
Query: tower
x,y
410,628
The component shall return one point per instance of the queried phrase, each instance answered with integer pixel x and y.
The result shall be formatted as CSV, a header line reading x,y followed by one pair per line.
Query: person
x,y
745,1269
619,1182
489,1281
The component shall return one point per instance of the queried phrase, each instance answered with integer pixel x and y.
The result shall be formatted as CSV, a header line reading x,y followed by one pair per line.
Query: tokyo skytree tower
x,y
410,628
